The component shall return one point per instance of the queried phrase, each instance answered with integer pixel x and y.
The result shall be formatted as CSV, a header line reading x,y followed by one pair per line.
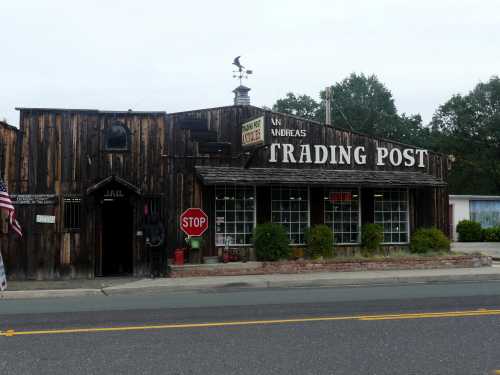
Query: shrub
x,y
372,236
491,234
319,241
469,231
271,242
429,240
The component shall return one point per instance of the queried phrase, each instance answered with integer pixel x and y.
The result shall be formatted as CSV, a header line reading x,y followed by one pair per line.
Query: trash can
x,y
179,257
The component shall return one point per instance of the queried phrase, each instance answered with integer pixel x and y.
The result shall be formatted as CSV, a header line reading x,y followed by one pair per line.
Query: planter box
x,y
331,265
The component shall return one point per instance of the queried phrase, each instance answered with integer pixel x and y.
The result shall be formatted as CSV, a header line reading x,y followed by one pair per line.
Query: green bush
x,y
319,241
372,236
491,234
469,231
429,240
271,242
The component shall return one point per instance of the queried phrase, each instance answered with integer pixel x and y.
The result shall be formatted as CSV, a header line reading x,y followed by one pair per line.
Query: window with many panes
x,y
391,212
342,214
72,212
234,215
290,207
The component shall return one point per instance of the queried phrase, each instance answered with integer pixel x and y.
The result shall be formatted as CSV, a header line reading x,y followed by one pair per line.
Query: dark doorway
x,y
117,227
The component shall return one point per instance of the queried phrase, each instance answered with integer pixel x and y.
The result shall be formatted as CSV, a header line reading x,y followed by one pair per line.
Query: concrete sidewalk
x,y
331,279
491,249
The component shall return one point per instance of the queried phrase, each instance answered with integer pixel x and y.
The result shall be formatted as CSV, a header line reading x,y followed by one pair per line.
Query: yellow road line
x,y
448,314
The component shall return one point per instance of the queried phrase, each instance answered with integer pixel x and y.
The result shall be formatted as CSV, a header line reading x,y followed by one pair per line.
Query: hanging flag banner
x,y
3,276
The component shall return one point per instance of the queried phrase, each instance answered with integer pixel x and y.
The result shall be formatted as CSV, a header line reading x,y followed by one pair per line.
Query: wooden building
x,y
84,180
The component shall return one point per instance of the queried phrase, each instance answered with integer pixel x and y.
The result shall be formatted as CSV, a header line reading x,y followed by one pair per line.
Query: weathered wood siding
x,y
62,153
9,163
428,206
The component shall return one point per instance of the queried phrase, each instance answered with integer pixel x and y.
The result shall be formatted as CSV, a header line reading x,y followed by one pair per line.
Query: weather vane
x,y
241,72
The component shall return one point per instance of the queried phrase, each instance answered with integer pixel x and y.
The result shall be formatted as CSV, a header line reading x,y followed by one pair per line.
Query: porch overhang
x,y
113,180
209,175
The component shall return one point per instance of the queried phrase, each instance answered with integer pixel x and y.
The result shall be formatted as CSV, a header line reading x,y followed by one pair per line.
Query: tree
x,y
302,106
361,103
468,127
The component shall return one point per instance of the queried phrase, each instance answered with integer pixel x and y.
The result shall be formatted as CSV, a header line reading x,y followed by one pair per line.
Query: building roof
x,y
286,176
131,112
475,197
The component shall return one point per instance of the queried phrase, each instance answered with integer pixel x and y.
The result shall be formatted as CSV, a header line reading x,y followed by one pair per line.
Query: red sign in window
x,y
345,196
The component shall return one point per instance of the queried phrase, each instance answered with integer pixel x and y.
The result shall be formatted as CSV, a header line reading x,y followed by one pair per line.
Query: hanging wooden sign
x,y
33,199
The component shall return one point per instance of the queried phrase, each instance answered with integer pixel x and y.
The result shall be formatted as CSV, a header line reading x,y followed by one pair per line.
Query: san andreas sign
x,y
345,155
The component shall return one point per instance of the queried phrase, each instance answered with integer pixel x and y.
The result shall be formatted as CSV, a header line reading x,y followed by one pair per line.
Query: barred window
x,y
234,215
290,207
342,214
72,212
391,211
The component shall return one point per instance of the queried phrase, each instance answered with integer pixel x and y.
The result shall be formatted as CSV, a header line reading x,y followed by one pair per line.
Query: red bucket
x,y
179,257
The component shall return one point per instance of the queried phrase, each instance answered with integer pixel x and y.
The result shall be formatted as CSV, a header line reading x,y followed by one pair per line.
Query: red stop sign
x,y
194,221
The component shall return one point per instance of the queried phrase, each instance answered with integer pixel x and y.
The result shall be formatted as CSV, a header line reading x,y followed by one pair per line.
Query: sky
x,y
177,55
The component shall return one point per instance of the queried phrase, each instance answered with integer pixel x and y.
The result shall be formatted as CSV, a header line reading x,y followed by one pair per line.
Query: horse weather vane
x,y
241,72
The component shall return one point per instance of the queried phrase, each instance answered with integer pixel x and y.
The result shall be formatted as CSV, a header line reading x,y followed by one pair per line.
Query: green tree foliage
x,y
468,127
301,105
271,242
469,231
372,236
319,241
426,240
360,103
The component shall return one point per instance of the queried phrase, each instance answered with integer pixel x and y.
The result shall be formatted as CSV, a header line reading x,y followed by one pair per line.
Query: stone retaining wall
x,y
331,265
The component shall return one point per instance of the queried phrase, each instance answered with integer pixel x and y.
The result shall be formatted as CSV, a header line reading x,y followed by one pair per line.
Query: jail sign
x,y
194,222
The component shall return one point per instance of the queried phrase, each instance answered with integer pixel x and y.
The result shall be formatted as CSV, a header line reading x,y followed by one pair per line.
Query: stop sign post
x,y
194,222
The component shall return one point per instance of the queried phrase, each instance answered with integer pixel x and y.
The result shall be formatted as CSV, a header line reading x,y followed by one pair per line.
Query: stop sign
x,y
194,221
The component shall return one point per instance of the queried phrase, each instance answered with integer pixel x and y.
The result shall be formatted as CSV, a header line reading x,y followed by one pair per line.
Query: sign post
x,y
3,276
194,222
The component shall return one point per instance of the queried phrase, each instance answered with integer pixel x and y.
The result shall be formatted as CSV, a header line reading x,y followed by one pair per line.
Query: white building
x,y
484,209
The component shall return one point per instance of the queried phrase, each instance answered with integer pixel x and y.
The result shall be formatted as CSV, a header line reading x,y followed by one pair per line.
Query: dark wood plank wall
x,y
62,153
427,204
9,163
186,190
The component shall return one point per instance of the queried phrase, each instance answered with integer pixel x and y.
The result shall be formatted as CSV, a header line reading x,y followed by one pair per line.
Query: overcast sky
x,y
176,55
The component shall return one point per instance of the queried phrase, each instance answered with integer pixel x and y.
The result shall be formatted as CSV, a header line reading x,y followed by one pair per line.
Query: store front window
x,y
486,212
391,212
342,214
290,207
234,215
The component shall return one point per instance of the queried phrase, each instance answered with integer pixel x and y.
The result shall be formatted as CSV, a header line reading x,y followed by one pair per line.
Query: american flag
x,y
6,204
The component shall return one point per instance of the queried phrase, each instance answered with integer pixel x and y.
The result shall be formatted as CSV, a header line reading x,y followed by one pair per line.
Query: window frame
x,y
254,214
407,215
472,202
67,199
307,188
330,224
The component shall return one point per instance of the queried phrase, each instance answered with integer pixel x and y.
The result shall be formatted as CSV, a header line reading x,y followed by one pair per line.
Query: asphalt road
x,y
407,329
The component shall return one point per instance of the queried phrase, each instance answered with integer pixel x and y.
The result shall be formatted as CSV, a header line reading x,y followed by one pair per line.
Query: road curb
x,y
260,284
254,284
49,293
